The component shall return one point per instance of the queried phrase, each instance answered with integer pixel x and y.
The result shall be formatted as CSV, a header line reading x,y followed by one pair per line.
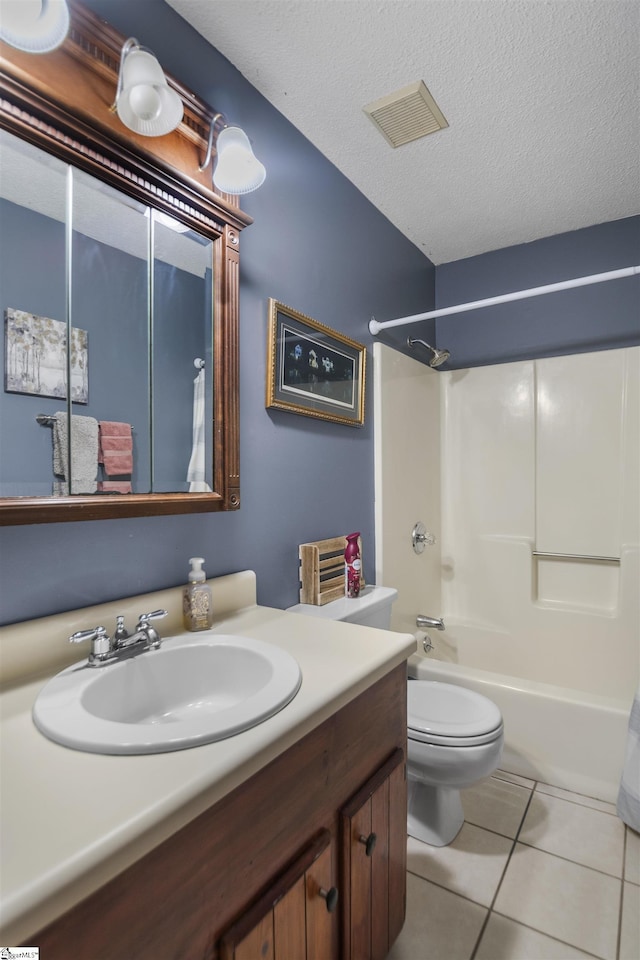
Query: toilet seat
x,y
448,715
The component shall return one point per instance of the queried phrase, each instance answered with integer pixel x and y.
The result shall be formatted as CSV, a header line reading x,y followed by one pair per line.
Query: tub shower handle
x,y
420,538
429,623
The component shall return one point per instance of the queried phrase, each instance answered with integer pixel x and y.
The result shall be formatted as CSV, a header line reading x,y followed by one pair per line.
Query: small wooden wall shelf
x,y
322,570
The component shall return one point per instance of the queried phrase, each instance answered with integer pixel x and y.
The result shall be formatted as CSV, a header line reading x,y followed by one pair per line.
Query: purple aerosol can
x,y
352,566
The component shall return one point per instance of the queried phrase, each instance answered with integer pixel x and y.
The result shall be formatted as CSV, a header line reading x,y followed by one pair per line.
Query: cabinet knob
x,y
330,896
369,842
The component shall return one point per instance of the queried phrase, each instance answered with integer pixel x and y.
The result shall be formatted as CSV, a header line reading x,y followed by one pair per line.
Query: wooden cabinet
x,y
231,863
296,919
374,863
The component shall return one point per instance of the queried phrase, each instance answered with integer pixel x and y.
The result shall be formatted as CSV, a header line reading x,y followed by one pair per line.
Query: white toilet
x,y
455,738
455,735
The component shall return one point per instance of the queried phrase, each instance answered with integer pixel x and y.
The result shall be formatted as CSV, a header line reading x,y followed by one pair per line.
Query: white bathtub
x,y
563,737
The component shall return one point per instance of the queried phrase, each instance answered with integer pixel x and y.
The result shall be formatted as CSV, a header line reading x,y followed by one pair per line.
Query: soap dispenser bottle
x,y
197,603
352,566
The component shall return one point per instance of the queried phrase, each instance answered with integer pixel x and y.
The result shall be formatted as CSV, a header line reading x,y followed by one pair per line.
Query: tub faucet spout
x,y
434,623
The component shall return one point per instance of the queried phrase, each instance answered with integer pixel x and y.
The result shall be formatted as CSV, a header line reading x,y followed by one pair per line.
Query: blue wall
x,y
596,317
317,245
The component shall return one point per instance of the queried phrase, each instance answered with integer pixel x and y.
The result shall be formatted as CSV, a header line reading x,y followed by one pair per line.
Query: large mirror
x,y
118,291
122,297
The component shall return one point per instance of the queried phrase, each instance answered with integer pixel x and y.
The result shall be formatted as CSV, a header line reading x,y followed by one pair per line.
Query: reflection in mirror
x,y
109,303
33,302
136,290
182,334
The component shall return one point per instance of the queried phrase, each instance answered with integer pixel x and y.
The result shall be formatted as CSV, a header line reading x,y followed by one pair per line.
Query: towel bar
x,y
48,420
574,556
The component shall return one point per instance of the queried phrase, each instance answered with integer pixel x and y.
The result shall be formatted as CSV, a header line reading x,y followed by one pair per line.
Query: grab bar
x,y
574,556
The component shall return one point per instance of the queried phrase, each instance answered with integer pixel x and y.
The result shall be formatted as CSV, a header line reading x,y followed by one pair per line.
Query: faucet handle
x,y
100,642
144,625
154,615
95,633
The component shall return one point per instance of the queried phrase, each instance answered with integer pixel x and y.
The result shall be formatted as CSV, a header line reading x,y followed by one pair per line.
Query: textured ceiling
x,y
541,97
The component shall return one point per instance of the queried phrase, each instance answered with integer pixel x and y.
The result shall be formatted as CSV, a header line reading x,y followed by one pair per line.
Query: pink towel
x,y
115,486
115,450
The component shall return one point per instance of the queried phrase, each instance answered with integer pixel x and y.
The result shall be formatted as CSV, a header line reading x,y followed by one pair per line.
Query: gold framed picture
x,y
312,370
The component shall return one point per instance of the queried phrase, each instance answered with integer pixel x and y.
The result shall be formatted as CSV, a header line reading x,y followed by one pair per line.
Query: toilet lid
x,y
446,713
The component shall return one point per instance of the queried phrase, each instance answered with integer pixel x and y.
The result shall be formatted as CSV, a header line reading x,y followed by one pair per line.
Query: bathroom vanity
x,y
290,834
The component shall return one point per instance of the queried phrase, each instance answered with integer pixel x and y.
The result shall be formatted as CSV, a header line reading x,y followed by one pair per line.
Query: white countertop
x,y
70,821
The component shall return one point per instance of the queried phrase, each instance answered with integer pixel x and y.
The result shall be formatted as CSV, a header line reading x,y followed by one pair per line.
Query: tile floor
x,y
536,873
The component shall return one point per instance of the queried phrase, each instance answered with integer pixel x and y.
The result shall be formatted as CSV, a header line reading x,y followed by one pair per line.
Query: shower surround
x,y
540,516
536,569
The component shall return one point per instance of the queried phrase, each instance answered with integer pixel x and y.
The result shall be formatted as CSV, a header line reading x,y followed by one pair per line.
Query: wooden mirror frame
x,y
60,102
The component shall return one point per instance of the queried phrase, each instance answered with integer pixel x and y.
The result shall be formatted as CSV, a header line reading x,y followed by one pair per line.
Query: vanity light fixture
x,y
237,168
145,102
35,26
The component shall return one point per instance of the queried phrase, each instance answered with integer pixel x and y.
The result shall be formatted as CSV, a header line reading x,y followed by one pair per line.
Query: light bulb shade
x,y
146,103
237,169
35,26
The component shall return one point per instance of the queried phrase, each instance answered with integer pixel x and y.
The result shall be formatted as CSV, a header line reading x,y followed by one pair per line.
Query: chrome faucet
x,y
106,650
434,623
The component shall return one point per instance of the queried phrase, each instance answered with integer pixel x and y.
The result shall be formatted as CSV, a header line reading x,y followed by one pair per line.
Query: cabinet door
x,y
321,909
374,863
289,933
296,917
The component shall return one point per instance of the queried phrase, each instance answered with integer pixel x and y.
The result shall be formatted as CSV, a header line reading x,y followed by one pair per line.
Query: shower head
x,y
439,356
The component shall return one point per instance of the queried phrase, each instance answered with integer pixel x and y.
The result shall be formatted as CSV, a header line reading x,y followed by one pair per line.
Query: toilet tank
x,y
371,609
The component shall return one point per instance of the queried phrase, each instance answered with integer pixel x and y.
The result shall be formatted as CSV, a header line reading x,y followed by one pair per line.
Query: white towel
x,y
196,469
629,793
84,455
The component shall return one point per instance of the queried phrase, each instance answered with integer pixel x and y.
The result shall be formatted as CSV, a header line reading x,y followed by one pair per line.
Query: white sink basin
x,y
195,689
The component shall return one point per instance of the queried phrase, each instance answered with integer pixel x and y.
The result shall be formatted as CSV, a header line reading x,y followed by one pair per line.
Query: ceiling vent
x,y
408,114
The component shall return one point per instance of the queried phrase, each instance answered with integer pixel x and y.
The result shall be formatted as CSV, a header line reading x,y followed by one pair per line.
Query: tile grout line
x,y
576,863
506,866
624,865
496,833
513,778
534,790
568,859
550,936
441,886
516,840
491,910
576,803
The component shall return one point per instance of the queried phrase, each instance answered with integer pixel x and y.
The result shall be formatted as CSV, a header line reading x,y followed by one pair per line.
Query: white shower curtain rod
x,y
375,326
